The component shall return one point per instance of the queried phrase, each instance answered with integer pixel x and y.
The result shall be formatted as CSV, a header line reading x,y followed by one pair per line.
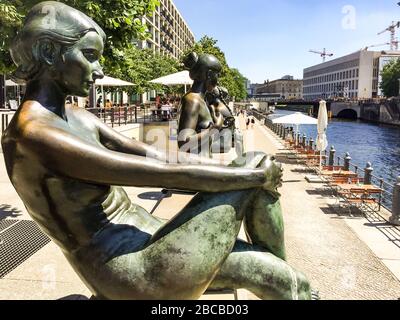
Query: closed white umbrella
x,y
296,119
322,141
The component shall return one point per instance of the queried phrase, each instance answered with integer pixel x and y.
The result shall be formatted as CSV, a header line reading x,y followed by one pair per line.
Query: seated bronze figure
x,y
67,167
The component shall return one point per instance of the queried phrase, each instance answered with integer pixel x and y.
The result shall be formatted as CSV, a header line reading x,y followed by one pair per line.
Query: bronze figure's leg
x,y
178,262
262,273
263,223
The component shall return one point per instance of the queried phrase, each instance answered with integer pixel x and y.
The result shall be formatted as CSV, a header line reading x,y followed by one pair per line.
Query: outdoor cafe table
x,y
343,173
360,188
361,193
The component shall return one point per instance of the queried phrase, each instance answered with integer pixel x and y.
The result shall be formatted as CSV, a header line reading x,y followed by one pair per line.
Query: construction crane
x,y
377,45
323,54
394,42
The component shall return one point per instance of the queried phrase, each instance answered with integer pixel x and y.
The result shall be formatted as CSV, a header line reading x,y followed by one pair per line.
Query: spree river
x,y
366,142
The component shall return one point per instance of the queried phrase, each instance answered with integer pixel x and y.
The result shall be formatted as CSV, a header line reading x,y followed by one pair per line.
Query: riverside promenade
x,y
344,257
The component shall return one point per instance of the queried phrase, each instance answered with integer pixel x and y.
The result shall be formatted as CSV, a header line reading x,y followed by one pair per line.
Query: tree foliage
x,y
140,66
390,78
230,78
120,19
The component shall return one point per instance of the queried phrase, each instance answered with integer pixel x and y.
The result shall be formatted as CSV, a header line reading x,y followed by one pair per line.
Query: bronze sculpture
x,y
197,126
229,136
67,166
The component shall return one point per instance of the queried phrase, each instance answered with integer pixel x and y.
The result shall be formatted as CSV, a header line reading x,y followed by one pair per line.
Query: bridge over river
x,y
347,110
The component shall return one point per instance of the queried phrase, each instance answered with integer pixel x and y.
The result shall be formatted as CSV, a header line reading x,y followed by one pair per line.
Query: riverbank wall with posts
x,y
389,199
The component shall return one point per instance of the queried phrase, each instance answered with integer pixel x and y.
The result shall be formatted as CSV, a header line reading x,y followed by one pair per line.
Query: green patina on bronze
x,y
67,166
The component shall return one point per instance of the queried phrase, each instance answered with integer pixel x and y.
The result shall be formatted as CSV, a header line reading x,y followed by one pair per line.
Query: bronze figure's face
x,y
212,79
79,66
60,44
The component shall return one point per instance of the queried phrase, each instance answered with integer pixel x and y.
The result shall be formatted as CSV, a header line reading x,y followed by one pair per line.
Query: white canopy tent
x,y
296,119
111,82
175,79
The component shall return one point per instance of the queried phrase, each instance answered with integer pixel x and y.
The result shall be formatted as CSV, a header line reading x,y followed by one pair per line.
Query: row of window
x,y
348,74
177,21
351,95
332,87
332,69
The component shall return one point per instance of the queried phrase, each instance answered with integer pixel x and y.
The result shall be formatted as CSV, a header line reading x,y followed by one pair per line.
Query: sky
x,y
267,39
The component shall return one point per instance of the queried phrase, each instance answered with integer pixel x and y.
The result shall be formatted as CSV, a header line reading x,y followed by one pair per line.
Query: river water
x,y
366,142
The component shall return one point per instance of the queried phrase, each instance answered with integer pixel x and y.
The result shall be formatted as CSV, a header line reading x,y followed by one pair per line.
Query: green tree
x,y
140,66
390,78
120,19
230,78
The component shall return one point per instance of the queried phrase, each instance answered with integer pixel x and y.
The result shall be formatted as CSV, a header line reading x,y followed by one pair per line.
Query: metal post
x,y
92,97
395,218
135,113
347,159
368,173
304,140
297,138
311,143
3,92
284,133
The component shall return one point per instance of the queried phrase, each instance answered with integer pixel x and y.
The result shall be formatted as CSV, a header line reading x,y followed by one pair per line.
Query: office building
x,y
170,34
355,76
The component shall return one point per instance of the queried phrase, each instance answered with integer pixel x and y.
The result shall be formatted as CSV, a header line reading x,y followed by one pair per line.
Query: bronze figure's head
x,y
60,43
204,68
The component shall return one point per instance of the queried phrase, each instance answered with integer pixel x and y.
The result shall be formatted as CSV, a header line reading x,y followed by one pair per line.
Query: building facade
x,y
170,34
355,76
285,88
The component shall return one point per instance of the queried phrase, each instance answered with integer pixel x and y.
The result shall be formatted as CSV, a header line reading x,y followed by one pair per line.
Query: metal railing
x,y
386,197
6,116
145,113
115,116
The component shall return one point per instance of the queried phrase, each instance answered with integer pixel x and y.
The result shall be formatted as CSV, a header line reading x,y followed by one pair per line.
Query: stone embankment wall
x,y
386,112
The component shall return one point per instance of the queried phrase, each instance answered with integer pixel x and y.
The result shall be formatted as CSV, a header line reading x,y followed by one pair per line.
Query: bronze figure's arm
x,y
115,141
61,151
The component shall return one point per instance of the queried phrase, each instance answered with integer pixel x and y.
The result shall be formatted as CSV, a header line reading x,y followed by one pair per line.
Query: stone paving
x,y
344,257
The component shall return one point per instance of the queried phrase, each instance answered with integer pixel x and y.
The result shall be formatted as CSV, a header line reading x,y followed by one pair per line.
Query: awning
x,y
10,83
178,78
112,82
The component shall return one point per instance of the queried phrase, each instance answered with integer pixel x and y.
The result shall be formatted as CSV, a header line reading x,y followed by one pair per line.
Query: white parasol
x,y
322,141
296,119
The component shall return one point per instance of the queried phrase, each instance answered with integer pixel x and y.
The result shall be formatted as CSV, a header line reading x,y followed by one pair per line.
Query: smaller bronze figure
x,y
229,136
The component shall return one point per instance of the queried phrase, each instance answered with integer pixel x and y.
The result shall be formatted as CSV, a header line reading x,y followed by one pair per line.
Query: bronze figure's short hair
x,y
53,21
